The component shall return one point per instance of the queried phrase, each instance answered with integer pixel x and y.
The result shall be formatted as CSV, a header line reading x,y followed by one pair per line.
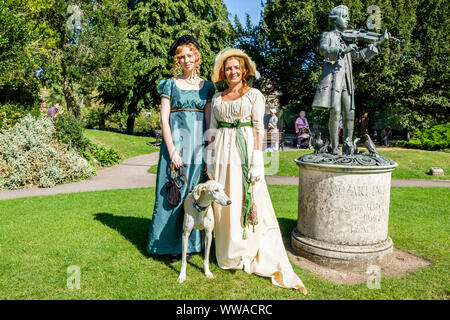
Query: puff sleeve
x,y
258,109
213,120
211,92
165,88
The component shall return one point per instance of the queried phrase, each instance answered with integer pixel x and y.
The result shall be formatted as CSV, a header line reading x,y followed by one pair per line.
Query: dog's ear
x,y
197,191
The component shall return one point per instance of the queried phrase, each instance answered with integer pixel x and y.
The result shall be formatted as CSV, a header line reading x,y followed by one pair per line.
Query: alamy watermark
x,y
75,15
74,280
374,279
374,19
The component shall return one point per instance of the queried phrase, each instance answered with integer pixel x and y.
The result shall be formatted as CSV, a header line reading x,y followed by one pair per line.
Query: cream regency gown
x,y
263,253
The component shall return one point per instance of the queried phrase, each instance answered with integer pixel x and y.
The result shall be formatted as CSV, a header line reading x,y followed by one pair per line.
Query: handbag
x,y
173,186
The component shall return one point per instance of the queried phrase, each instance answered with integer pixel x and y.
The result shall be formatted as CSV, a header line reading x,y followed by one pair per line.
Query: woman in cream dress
x,y
235,159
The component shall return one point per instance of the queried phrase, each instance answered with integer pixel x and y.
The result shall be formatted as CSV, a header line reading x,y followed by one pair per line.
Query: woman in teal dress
x,y
185,107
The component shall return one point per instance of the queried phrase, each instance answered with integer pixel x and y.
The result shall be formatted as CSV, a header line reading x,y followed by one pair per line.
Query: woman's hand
x,y
175,159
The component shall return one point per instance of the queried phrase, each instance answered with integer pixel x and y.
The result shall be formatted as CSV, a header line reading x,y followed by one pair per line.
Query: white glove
x,y
256,171
209,164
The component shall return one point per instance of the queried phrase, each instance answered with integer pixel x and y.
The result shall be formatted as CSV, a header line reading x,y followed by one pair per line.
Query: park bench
x,y
272,137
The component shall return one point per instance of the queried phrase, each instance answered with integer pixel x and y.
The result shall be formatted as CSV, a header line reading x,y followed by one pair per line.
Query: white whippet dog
x,y
198,214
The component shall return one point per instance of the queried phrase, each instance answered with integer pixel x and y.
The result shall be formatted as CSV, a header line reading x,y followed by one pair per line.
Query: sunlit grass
x,y
127,145
105,234
412,164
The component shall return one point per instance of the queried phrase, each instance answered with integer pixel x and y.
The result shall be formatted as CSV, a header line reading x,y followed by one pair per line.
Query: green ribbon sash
x,y
242,148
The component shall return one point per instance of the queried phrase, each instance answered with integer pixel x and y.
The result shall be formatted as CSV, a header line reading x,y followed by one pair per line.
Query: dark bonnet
x,y
186,39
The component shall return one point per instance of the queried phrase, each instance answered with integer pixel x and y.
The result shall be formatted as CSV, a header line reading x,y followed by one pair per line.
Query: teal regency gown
x,y
187,123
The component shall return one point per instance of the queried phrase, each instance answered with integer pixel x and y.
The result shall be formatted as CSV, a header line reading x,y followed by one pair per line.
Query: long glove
x,y
256,171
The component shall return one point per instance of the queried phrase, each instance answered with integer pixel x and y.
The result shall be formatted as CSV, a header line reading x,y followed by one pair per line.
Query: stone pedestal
x,y
343,211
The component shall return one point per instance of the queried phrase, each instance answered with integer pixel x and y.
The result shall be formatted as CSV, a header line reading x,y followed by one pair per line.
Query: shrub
x,y
434,138
69,131
106,156
10,113
147,121
399,143
31,154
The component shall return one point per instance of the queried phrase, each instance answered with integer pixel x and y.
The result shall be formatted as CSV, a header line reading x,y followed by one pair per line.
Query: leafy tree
x,y
18,83
141,59
112,70
58,50
13,37
426,89
412,75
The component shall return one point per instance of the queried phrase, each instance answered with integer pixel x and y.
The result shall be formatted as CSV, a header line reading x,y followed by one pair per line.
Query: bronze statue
x,y
350,147
317,143
335,90
368,143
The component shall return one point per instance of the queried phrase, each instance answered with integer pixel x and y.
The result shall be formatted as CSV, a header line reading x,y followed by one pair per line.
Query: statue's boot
x,y
336,151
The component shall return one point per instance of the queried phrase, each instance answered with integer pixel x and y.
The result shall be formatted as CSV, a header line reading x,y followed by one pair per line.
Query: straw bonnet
x,y
223,55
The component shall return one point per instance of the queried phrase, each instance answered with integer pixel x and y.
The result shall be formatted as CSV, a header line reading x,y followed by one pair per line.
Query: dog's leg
x,y
203,240
209,226
185,238
208,240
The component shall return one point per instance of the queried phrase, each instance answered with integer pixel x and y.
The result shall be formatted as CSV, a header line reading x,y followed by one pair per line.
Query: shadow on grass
x,y
286,226
136,231
133,229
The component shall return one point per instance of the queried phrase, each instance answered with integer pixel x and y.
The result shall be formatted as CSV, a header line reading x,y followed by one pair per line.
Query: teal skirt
x,y
166,228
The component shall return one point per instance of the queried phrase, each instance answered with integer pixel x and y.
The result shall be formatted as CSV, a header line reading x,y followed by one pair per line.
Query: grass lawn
x,y
127,145
105,233
153,169
412,164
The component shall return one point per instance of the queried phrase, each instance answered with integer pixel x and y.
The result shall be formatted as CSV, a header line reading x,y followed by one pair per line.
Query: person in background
x,y
273,127
54,111
385,136
301,128
375,136
43,108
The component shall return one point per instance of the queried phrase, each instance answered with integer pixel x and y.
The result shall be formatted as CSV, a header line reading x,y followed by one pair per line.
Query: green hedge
x,y
434,138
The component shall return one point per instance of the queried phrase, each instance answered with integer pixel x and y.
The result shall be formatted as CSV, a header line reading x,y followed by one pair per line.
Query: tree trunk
x,y
101,123
130,124
68,92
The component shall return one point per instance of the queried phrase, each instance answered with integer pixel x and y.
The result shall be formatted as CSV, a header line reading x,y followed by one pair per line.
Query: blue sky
x,y
241,7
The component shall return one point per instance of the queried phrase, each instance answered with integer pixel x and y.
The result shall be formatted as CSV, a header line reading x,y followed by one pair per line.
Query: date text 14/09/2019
x,y
229,309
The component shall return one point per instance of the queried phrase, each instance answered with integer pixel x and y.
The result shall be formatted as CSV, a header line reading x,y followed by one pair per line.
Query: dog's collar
x,y
198,207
